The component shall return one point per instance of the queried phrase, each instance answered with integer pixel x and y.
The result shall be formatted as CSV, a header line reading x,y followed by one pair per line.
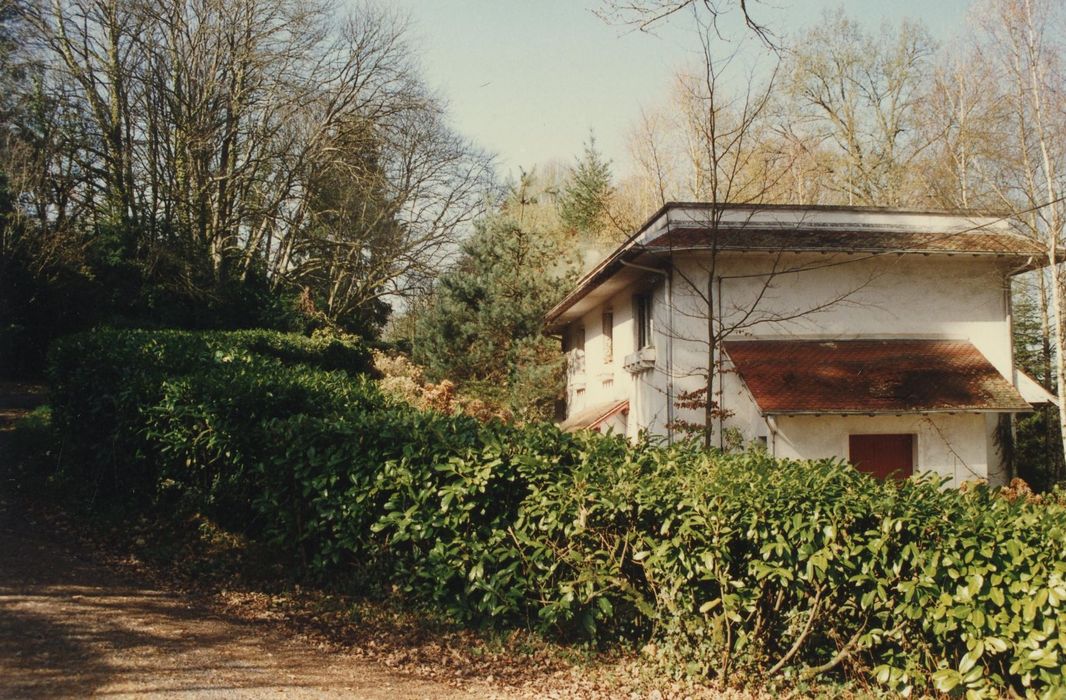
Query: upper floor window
x,y
608,337
642,315
579,349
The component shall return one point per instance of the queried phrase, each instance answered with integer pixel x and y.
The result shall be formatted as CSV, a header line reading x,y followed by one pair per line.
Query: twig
x,y
802,636
844,653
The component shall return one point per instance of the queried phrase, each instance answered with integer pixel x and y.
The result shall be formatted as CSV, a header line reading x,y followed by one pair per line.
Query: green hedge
x,y
727,563
117,393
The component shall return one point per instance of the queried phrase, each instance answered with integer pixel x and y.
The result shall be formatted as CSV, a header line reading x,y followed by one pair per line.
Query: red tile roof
x,y
870,376
851,240
592,418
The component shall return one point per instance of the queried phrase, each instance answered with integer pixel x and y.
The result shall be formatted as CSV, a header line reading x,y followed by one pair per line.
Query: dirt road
x,y
73,627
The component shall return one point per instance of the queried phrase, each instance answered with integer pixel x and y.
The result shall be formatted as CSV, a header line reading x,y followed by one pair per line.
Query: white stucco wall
x,y
804,296
601,382
956,447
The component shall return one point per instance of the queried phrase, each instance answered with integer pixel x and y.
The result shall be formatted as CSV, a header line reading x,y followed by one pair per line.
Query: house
x,y
875,335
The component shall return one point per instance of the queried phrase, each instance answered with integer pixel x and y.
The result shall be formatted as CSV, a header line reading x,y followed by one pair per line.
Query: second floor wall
x,y
778,295
838,296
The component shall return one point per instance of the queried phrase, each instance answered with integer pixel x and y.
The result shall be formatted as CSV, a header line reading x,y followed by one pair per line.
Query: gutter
x,y
1029,265
909,412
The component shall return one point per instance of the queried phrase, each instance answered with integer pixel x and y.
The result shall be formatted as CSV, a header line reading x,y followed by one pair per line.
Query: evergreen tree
x,y
483,325
1036,449
587,194
1028,342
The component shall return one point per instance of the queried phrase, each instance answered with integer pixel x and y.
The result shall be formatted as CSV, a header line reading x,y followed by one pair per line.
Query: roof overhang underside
x,y
871,377
1032,391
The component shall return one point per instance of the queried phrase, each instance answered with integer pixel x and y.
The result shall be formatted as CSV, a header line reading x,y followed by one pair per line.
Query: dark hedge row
x,y
728,563
110,389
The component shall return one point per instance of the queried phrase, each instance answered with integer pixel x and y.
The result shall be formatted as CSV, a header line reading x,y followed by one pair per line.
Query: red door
x,y
883,456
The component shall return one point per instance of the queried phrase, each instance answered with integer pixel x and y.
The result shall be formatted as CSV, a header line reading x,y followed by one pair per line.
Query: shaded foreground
x,y
72,627
730,567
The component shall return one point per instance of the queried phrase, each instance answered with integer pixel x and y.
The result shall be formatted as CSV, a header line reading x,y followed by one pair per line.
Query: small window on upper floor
x,y
579,349
608,337
642,314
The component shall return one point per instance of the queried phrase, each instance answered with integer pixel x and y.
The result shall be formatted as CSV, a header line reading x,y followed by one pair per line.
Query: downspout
x,y
670,356
1008,310
669,277
771,423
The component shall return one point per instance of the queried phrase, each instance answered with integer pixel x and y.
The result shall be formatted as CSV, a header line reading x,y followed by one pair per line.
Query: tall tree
x,y
1022,40
208,129
586,196
726,147
860,94
961,117
483,325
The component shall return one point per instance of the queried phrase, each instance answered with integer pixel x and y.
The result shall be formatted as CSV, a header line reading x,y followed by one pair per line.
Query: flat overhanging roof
x,y
869,231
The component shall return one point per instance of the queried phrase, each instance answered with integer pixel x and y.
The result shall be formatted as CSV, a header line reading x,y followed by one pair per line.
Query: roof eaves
x,y
971,213
897,412
839,249
606,268
611,264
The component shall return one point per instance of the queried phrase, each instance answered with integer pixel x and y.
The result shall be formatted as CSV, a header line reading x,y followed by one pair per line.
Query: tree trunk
x,y
708,406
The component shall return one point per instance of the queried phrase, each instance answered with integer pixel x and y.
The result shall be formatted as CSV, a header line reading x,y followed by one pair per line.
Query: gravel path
x,y
73,627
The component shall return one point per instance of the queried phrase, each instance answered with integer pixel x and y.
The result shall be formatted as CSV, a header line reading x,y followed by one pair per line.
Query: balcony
x,y
639,361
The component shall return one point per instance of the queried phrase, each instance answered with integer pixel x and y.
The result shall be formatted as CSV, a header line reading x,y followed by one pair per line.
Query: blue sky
x,y
528,80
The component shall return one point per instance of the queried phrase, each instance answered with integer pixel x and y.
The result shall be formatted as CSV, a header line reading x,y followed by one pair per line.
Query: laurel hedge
x,y
733,565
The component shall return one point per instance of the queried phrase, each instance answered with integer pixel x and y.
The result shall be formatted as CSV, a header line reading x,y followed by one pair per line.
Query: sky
x,y
530,80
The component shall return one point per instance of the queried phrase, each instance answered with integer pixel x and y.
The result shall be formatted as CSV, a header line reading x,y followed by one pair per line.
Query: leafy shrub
x,y
121,397
725,563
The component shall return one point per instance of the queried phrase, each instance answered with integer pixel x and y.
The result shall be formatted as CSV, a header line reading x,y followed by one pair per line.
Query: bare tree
x,y
646,14
731,159
859,94
961,117
210,129
1021,43
381,216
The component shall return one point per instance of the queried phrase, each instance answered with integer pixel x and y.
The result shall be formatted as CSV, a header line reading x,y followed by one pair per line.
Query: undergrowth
x,y
718,566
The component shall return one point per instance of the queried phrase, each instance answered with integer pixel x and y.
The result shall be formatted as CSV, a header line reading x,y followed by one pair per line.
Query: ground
x,y
71,626
81,614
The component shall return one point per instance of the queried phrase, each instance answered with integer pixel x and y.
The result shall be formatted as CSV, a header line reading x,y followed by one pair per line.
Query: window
x,y
608,337
642,314
579,349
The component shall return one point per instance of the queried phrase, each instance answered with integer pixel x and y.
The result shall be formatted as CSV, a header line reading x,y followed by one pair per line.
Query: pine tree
x,y
587,194
483,326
